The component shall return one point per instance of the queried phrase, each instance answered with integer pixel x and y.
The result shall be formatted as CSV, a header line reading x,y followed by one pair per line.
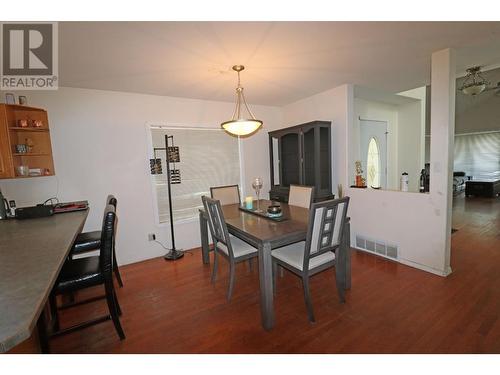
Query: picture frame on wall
x,y
10,98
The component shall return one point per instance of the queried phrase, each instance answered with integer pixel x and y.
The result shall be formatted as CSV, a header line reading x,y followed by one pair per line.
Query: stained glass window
x,y
373,164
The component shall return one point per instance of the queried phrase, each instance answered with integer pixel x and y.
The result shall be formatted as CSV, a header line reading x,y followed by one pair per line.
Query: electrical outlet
x,y
12,205
151,237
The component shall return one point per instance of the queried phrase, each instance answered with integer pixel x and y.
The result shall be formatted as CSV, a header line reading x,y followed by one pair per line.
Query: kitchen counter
x,y
32,253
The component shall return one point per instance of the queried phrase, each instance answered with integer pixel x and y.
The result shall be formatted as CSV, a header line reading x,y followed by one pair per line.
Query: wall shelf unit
x,y
37,141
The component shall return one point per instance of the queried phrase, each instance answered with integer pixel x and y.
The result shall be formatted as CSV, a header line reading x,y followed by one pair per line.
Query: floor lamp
x,y
173,177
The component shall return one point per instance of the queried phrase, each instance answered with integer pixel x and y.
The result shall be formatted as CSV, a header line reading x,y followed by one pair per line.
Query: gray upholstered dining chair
x,y
300,195
319,251
229,194
230,247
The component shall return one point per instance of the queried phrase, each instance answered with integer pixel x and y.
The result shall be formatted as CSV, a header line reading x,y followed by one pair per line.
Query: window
x,y
208,157
478,154
373,164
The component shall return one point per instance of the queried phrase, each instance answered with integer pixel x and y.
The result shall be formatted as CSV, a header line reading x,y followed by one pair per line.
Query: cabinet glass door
x,y
276,160
290,159
309,157
324,160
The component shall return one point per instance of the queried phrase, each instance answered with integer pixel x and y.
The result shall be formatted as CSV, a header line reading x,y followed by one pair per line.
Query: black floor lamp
x,y
173,177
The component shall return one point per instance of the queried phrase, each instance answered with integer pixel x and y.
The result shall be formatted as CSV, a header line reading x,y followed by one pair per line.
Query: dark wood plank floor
x,y
392,308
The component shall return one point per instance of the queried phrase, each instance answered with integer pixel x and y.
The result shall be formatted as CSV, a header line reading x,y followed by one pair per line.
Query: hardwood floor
x,y
392,308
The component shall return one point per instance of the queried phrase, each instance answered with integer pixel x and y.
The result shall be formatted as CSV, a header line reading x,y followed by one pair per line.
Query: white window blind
x,y
208,157
478,154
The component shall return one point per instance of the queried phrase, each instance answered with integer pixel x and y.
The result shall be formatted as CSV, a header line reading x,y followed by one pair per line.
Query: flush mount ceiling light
x,y
474,83
240,124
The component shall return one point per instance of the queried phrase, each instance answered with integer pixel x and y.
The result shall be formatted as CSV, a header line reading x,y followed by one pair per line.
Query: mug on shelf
x,y
29,144
21,149
36,172
37,123
22,123
22,170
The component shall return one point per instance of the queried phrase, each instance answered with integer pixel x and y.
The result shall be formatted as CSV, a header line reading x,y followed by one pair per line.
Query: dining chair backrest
x,y
300,195
111,200
107,241
217,224
114,202
326,227
229,194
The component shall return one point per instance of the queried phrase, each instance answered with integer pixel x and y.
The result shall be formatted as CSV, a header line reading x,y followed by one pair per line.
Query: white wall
x,y
99,142
418,223
420,147
332,105
478,113
483,116
443,91
415,222
410,143
405,143
406,219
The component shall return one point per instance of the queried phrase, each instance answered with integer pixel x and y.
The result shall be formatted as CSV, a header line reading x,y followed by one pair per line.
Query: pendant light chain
x,y
239,91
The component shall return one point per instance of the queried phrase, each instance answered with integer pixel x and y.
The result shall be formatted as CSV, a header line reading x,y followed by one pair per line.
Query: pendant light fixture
x,y
474,83
240,124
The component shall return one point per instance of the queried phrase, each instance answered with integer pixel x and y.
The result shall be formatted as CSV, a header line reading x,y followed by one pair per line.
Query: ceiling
x,y
368,93
285,61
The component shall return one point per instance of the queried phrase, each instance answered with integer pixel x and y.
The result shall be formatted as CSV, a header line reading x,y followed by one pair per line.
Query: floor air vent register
x,y
378,247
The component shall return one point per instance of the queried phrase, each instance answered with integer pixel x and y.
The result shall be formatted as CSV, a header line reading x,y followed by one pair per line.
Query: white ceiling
x,y
285,61
368,93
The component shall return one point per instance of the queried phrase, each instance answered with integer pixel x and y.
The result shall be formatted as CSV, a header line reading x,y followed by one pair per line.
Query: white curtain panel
x,y
478,155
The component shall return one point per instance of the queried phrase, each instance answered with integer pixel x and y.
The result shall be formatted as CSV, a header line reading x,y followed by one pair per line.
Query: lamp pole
x,y
173,254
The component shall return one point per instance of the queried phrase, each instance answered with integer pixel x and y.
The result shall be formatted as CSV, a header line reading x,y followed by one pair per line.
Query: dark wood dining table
x,y
266,234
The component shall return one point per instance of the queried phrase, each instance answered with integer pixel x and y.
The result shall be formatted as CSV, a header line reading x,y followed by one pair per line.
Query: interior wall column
x,y
443,76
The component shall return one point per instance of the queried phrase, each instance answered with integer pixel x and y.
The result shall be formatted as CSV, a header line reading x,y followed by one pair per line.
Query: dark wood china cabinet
x,y
301,155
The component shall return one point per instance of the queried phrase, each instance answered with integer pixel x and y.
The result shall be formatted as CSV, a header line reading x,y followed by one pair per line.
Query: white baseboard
x,y
409,263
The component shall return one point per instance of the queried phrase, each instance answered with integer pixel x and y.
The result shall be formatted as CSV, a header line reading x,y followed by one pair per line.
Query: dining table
x,y
267,234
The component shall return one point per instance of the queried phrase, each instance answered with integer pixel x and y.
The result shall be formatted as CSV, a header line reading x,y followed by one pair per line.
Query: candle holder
x,y
257,186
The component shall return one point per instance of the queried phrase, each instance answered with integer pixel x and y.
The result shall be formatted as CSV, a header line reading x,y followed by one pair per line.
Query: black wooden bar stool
x,y
82,273
91,241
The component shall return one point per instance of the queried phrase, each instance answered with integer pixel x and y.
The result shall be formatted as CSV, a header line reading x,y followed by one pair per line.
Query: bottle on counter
x,y
422,181
404,181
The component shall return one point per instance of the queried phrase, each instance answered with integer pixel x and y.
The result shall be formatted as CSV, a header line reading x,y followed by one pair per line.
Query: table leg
x,y
205,248
347,236
266,285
